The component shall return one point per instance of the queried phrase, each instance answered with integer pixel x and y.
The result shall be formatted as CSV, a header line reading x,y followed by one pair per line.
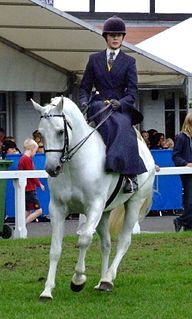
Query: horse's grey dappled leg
x,y
105,238
132,209
85,232
57,223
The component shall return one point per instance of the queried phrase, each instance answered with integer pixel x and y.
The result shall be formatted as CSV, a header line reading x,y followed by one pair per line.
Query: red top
x,y
26,163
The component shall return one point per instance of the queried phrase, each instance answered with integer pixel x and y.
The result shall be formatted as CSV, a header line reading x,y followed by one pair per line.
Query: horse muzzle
x,y
53,172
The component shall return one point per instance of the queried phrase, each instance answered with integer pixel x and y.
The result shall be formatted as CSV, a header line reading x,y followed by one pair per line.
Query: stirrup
x,y
130,185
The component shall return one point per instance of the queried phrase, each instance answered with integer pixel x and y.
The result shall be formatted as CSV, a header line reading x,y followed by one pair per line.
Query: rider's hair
x,y
28,143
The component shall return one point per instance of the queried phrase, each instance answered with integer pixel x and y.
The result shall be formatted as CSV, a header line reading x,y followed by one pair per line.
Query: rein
x,y
78,146
67,153
91,118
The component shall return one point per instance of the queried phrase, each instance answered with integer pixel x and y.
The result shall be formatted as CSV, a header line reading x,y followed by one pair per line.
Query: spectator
x,y
152,132
2,136
33,209
168,144
38,139
10,137
182,156
156,141
145,136
161,139
10,147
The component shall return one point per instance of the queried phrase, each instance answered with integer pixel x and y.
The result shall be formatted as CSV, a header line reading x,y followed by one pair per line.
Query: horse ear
x,y
37,106
60,104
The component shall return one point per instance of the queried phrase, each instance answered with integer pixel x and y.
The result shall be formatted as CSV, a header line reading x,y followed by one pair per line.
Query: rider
x,y
116,86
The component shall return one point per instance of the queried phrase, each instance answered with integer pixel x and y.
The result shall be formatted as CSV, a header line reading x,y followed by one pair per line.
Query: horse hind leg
x,y
57,223
105,240
132,209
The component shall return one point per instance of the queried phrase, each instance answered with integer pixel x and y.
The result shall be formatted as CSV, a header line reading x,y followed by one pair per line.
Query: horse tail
x,y
116,220
145,208
117,215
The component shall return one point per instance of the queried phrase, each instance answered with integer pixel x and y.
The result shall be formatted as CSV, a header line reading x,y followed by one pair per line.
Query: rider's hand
x,y
84,106
115,104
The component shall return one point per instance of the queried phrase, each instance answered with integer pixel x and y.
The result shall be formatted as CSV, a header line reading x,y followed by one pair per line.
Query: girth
x,y
116,190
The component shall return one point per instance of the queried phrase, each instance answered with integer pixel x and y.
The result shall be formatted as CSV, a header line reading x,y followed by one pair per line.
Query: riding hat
x,y
114,25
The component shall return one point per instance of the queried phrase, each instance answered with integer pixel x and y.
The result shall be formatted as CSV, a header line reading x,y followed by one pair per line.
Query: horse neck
x,y
93,148
80,128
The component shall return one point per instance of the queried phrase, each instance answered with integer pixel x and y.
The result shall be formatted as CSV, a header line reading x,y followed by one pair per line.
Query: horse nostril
x,y
53,172
58,168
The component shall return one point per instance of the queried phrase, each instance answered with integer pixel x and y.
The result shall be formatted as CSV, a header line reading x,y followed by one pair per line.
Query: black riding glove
x,y
84,107
115,104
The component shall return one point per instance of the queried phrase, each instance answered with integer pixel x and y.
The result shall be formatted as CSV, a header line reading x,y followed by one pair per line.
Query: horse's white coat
x,y
82,186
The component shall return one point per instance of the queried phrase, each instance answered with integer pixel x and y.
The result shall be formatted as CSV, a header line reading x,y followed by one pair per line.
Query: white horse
x,y
78,183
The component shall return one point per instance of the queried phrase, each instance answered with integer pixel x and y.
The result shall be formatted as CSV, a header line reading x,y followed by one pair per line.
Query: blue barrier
x,y
167,197
168,189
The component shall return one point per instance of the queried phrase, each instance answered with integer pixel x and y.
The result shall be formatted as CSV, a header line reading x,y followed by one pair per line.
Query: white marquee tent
x,y
63,43
173,45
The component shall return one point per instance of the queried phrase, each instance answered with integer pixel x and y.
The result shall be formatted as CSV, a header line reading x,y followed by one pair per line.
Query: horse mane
x,y
139,136
70,109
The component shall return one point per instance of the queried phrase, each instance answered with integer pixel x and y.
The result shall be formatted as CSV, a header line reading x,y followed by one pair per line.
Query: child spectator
x,y
33,210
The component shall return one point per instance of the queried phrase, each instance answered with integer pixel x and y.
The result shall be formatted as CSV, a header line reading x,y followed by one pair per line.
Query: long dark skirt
x,y
119,136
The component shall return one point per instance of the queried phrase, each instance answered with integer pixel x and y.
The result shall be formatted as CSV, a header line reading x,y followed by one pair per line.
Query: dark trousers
x,y
186,219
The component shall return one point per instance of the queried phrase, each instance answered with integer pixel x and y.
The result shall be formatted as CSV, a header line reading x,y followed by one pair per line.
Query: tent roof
x,y
65,42
172,45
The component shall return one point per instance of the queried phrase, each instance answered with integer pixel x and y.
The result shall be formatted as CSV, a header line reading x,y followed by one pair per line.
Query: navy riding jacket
x,y
119,83
182,152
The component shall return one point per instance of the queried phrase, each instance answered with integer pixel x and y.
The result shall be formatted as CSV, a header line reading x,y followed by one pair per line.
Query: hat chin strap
x,y
111,48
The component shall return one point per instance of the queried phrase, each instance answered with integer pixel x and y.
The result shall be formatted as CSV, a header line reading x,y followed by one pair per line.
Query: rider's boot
x,y
130,184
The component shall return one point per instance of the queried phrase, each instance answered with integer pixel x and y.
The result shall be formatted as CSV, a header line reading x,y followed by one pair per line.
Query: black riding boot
x,y
130,184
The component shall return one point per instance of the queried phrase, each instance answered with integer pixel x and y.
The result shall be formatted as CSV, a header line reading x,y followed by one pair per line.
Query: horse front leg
x,y
85,232
57,224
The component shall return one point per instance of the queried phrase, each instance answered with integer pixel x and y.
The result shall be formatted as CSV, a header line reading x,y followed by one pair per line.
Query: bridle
x,y
65,157
66,153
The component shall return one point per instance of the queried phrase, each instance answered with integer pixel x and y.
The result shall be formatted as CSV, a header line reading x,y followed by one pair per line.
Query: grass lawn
x,y
154,280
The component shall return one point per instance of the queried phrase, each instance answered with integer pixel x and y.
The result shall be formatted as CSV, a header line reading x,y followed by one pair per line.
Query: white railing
x,y
19,181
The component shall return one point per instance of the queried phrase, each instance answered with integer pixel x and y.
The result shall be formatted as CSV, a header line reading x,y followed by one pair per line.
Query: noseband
x,y
65,156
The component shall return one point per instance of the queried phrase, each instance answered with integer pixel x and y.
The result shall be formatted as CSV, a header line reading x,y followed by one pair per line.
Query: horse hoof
x,y
45,299
105,286
77,288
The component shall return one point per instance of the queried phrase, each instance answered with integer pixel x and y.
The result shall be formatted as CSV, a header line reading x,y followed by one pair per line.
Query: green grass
x,y
154,280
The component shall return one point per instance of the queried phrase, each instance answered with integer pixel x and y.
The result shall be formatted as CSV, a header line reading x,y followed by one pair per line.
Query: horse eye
x,y
61,132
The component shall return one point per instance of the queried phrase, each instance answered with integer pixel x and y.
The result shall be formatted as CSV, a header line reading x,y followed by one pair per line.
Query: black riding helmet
x,y
114,25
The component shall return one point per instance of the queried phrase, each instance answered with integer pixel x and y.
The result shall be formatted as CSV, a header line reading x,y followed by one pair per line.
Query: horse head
x,y
53,127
